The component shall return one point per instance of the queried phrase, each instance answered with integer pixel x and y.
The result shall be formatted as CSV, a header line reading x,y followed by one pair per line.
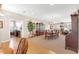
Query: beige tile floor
x,y
55,45
8,48
39,45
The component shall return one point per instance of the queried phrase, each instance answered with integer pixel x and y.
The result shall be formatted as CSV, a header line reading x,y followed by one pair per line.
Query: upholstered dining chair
x,y
22,47
47,35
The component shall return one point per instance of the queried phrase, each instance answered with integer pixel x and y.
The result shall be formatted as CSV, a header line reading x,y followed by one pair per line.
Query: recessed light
x,y
1,14
51,4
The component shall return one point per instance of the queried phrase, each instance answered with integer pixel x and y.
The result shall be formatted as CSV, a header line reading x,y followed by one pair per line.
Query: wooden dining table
x,y
51,34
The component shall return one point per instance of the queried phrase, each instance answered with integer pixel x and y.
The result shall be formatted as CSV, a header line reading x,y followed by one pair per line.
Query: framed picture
x,y
1,24
51,26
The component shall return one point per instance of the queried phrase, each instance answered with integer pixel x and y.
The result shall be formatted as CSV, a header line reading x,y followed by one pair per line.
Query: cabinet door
x,y
74,23
74,39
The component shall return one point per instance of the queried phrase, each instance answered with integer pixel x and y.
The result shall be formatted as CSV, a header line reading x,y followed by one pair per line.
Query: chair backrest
x,y
22,47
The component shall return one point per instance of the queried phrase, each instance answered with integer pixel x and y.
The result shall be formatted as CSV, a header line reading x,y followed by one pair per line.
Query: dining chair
x,y
22,47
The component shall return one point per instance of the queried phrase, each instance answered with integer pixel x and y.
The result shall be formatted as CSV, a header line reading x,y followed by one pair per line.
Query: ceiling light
x,y
51,4
1,14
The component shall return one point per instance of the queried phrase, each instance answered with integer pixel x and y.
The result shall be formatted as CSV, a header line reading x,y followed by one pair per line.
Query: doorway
x,y
15,29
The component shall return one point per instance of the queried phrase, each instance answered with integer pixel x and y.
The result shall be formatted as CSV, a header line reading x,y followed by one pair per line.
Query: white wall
x,y
25,32
4,32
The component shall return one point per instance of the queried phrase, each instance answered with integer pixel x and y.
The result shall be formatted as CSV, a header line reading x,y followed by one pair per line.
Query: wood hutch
x,y
72,39
40,28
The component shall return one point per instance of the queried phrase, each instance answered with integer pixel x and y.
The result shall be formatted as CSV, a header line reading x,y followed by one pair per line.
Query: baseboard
x,y
5,41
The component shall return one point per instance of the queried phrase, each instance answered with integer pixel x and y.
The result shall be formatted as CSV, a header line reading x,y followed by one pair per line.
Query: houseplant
x,y
31,27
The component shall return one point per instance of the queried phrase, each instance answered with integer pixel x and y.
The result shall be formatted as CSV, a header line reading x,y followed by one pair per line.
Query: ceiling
x,y
55,13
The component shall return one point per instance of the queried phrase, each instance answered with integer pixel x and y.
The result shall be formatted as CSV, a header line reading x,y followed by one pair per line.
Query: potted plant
x,y
31,27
